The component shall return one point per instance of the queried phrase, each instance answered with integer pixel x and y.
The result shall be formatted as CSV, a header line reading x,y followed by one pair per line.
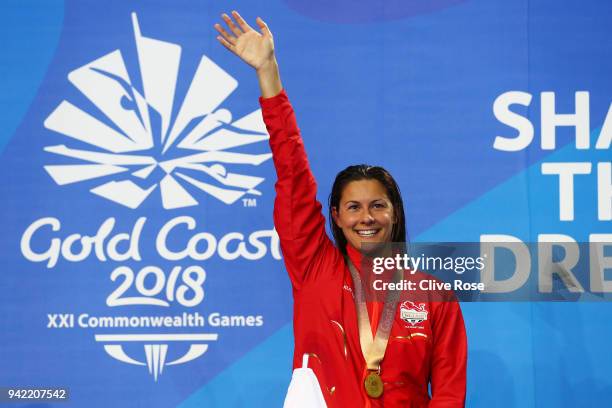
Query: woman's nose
x,y
367,218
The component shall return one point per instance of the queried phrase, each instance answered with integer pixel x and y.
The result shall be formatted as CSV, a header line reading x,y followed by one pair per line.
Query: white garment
x,y
304,390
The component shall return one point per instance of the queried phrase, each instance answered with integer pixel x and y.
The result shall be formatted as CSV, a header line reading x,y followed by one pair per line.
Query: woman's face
x,y
365,213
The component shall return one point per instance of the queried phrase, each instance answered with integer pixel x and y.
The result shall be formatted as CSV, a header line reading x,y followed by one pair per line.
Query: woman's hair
x,y
367,172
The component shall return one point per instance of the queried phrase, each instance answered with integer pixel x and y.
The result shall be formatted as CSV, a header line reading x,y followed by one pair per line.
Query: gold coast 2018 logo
x,y
132,147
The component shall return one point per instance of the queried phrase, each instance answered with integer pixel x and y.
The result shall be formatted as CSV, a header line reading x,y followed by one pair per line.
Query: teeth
x,y
367,233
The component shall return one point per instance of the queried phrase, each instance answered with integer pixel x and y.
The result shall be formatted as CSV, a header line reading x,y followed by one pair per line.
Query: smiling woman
x,y
365,206
350,344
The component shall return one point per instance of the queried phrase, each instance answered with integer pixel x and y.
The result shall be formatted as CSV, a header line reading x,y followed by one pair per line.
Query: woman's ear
x,y
335,215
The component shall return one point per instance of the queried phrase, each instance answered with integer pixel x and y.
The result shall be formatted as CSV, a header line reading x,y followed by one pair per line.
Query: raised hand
x,y
254,48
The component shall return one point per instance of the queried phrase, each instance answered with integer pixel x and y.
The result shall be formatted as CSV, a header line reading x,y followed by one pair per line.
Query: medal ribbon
x,y
373,349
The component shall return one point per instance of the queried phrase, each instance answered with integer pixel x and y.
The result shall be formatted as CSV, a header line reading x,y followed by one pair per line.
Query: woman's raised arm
x,y
297,213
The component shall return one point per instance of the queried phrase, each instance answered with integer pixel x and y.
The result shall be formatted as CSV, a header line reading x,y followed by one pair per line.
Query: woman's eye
x,y
379,205
352,207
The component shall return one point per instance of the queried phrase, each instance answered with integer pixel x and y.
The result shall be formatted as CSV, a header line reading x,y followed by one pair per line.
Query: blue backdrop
x,y
137,184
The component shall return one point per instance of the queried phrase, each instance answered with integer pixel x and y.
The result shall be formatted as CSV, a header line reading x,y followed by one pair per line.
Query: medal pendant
x,y
373,385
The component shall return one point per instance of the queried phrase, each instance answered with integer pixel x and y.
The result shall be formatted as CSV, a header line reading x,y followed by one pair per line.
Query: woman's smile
x,y
368,233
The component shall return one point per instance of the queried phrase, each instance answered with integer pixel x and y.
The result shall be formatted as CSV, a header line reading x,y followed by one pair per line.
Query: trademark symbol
x,y
249,202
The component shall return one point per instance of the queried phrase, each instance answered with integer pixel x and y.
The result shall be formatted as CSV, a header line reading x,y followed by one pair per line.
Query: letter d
x,y
488,243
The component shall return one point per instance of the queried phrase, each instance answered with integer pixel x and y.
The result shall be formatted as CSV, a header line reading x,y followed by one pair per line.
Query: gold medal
x,y
373,385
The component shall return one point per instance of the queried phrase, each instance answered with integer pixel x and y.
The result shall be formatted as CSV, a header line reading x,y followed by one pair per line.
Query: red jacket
x,y
325,319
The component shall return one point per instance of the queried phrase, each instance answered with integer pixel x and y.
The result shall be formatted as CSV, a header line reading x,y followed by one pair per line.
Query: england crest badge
x,y
413,313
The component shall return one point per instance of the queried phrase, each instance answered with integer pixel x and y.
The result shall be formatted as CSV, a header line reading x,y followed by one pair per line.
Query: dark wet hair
x,y
367,172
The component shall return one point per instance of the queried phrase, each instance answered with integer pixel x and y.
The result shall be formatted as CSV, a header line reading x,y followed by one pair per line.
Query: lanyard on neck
x,y
373,349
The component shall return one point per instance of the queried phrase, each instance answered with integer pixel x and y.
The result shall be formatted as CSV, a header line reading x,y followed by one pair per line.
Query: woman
x,y
356,365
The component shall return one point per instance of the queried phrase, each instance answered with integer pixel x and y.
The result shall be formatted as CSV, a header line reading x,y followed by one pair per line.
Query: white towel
x,y
304,390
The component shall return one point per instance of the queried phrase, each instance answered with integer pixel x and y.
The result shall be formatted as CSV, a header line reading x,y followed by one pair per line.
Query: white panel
x,y
174,195
223,157
105,82
103,158
144,172
159,64
210,86
123,192
208,125
228,179
225,195
66,174
226,139
73,122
